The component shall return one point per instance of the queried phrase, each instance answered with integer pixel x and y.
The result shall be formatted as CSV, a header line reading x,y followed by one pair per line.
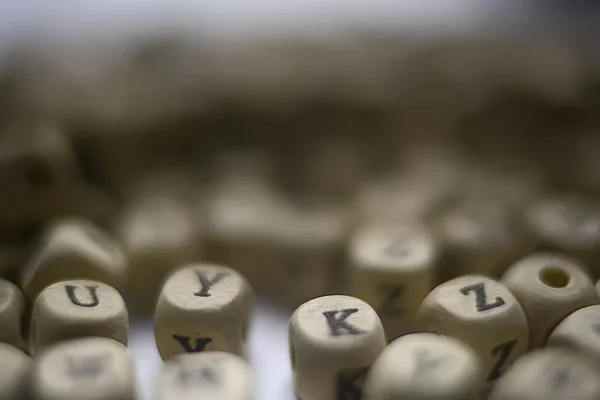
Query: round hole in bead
x,y
554,277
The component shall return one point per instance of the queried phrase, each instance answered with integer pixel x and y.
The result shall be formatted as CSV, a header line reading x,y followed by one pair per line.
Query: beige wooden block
x,y
84,369
212,375
37,168
15,367
425,366
287,252
73,248
158,233
549,287
570,224
579,331
71,309
392,268
480,235
549,374
203,307
333,342
482,313
12,314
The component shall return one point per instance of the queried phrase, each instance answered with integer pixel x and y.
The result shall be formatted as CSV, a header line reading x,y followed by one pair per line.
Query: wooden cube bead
x,y
569,224
392,268
547,374
549,287
203,307
12,314
213,375
484,314
71,309
15,367
579,331
425,366
479,236
158,234
73,248
333,342
84,369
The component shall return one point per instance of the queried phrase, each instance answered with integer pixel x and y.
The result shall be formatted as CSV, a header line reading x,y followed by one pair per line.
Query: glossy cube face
x,y
392,268
551,373
15,367
211,375
425,366
12,312
203,307
72,309
483,313
549,287
73,248
579,331
333,342
82,369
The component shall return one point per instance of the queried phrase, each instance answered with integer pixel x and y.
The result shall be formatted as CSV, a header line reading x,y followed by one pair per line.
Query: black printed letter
x,y
184,341
338,325
208,283
503,350
348,387
481,298
92,289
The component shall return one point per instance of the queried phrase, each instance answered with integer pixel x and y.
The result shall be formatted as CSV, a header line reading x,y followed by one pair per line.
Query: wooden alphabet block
x,y
333,342
15,367
158,234
72,309
579,331
73,248
551,373
482,313
203,307
392,268
549,287
84,369
12,314
213,375
425,366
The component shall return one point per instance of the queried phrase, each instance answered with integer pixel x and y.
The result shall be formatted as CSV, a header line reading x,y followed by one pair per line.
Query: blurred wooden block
x,y
392,268
482,313
579,331
287,251
12,315
549,374
158,233
73,248
15,368
203,307
37,169
213,375
333,342
479,235
84,369
549,287
77,308
570,224
425,366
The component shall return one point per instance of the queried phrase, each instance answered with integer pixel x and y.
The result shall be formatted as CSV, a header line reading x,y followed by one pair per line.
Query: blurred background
x,y
264,132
